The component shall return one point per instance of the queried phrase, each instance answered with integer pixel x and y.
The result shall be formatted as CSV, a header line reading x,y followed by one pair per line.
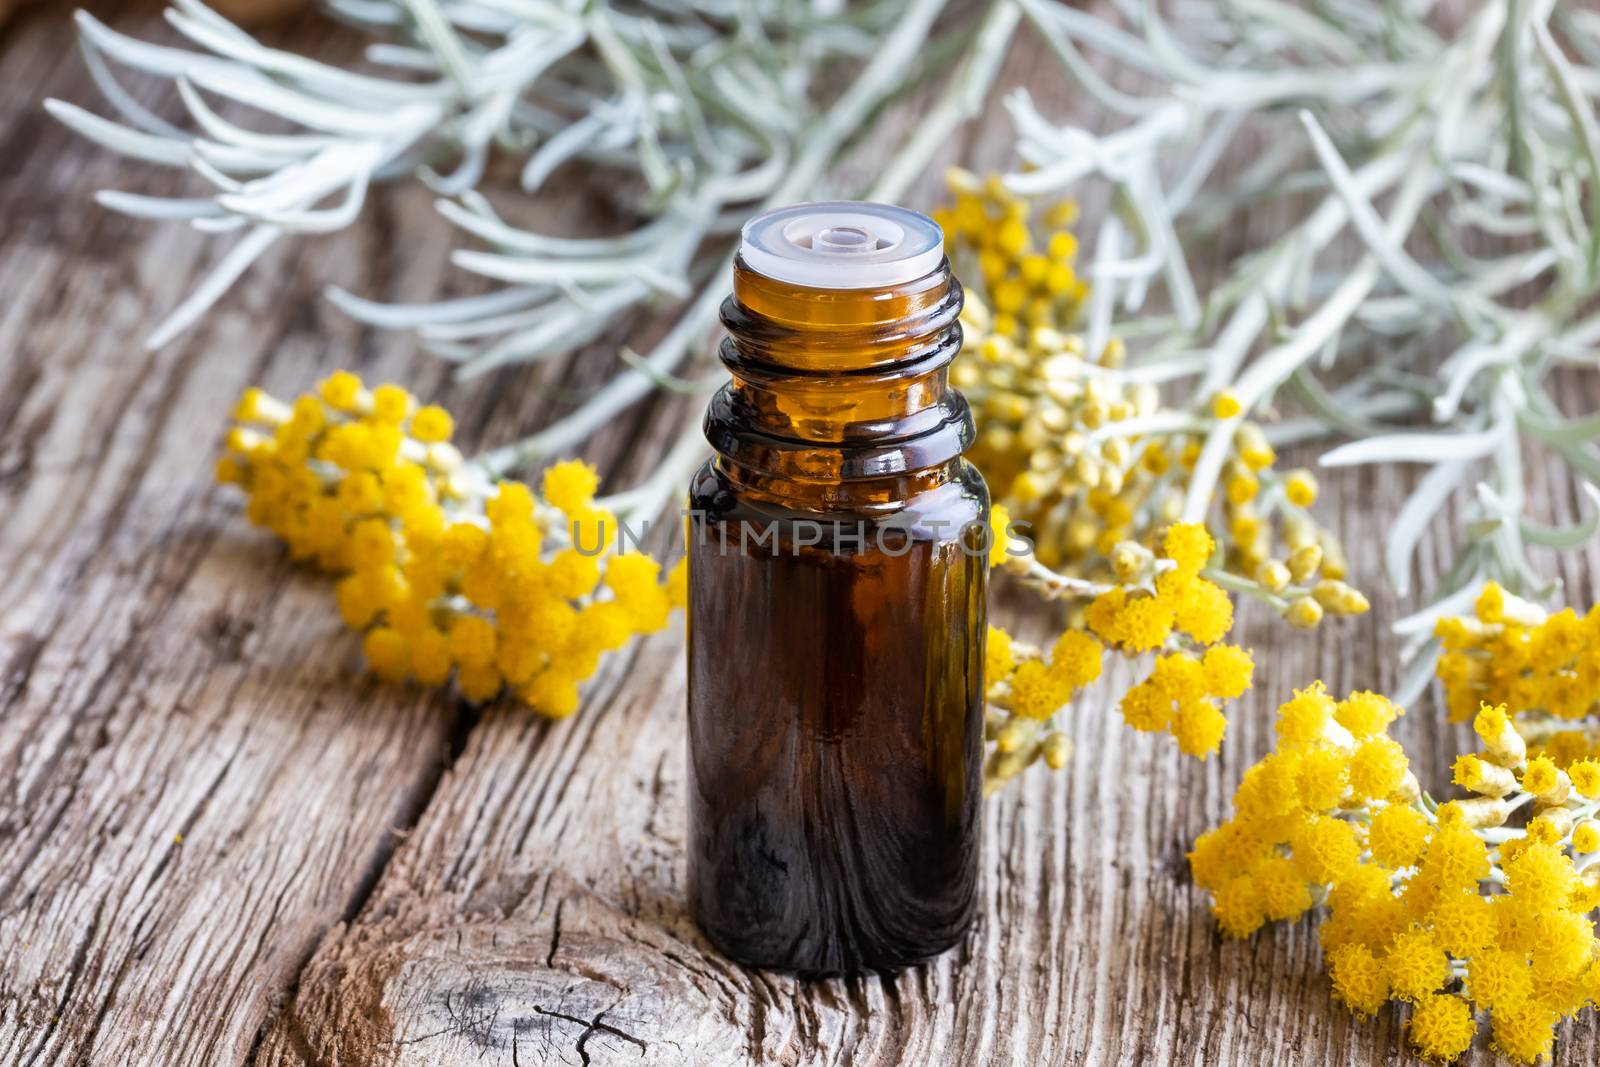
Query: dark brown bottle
x,y
837,571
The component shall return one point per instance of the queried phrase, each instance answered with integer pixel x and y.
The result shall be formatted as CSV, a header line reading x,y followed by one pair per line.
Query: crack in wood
x,y
592,1027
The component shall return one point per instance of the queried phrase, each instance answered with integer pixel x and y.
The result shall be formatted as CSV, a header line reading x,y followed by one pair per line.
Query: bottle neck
x,y
839,395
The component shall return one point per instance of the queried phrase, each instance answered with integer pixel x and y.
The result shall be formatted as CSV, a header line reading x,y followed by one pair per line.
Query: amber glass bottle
x,y
837,569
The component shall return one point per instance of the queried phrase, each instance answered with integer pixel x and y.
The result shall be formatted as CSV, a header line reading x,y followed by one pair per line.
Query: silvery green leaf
x,y
1560,431
159,60
490,325
1456,603
1367,223
280,147
120,98
1414,517
406,120
411,316
302,184
525,271
1413,448
167,151
571,328
311,220
1418,673
1564,537
1484,528
473,214
1039,13
211,288
155,207
328,80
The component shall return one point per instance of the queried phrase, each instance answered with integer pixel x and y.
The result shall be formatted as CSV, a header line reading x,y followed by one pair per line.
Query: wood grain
x,y
220,844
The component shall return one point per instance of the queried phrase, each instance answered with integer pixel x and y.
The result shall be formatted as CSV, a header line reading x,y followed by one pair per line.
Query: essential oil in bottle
x,y
837,571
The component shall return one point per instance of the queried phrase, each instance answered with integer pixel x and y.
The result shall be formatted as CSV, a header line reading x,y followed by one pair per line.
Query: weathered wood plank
x,y
195,780
165,673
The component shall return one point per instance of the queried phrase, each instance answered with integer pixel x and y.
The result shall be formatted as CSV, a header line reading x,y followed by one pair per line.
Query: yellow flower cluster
x,y
1446,909
444,571
1078,444
1513,652
1030,278
1159,604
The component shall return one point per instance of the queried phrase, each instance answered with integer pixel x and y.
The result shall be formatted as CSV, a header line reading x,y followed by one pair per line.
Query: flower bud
x,y
1300,487
1303,613
1552,824
1408,792
1557,793
1477,813
1129,560
1013,735
1305,560
1273,574
1484,778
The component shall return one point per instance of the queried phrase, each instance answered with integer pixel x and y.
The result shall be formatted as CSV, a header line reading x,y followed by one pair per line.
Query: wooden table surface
x,y
221,843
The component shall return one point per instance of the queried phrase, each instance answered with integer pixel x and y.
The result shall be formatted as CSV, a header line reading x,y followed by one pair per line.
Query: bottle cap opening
x,y
842,244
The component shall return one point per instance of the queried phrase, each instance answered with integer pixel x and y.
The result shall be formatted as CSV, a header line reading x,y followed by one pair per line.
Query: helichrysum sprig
x,y
1078,443
1449,909
1157,604
444,571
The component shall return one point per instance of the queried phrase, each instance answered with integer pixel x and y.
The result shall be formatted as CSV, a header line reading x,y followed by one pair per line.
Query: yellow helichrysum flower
x,y
1199,608
1524,1030
1305,718
570,486
1076,657
999,535
442,577
340,390
1416,965
1366,713
1397,835
1198,728
1545,781
998,660
1237,906
1500,739
1057,750
1228,670
1442,1027
432,425
1189,546
1359,981
1377,767
1585,777
1036,691
391,404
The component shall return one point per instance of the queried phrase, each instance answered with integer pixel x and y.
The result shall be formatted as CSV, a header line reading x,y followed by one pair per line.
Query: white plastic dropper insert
x,y
842,244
